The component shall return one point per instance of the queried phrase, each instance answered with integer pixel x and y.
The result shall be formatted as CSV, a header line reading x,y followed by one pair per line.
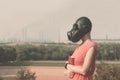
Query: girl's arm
x,y
86,65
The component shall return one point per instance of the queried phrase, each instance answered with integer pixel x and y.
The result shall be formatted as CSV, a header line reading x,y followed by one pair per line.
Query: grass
x,y
50,63
36,63
47,63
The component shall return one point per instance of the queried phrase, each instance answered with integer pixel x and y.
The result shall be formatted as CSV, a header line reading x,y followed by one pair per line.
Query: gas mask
x,y
80,28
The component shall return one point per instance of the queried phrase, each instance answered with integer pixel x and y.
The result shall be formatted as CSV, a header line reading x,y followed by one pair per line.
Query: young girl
x,y
85,54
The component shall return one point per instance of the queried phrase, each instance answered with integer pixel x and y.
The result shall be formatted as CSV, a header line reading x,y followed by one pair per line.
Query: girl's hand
x,y
69,73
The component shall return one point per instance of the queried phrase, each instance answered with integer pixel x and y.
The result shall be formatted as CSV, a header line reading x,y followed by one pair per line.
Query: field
x,y
45,70
42,72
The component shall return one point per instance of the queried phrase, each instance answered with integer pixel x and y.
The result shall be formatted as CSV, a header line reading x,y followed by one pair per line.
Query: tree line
x,y
106,51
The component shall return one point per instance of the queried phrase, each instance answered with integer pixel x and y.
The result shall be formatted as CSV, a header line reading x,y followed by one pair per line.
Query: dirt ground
x,y
42,72
48,73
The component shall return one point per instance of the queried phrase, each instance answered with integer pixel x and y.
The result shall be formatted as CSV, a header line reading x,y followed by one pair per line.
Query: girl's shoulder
x,y
93,44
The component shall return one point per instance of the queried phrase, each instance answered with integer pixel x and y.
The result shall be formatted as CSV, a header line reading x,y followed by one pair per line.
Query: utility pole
x,y
59,38
106,37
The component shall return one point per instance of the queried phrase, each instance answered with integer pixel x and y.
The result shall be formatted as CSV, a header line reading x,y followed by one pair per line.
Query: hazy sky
x,y
51,16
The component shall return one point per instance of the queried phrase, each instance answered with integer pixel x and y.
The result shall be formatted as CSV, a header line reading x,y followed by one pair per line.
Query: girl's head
x,y
81,27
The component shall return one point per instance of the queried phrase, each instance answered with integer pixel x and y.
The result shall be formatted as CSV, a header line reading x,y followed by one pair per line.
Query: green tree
x,y
2,55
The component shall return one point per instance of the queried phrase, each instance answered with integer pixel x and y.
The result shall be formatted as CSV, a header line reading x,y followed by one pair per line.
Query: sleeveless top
x,y
79,56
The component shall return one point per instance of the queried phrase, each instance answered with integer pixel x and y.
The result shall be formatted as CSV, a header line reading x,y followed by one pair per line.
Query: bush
x,y
25,74
107,72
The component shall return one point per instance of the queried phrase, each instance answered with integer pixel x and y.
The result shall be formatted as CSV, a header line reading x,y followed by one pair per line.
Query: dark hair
x,y
85,21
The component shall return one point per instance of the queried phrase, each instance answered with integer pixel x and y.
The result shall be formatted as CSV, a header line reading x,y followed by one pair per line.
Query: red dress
x,y
79,56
